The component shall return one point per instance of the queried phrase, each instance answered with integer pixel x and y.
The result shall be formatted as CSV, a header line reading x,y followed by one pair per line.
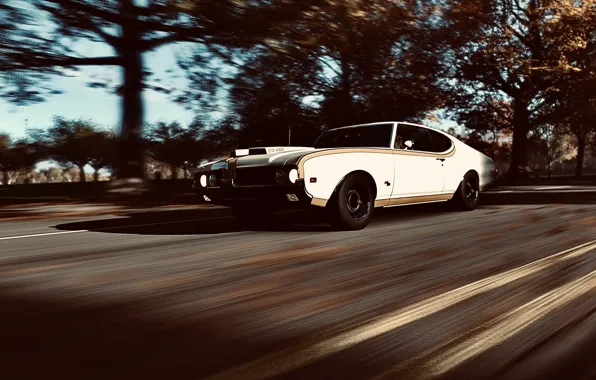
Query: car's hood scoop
x,y
268,150
274,155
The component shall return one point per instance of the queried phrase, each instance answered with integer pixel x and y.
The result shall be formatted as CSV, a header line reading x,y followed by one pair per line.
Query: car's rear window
x,y
440,143
368,136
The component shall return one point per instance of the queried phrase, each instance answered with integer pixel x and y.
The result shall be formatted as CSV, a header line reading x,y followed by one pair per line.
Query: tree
x,y
488,117
53,174
16,156
267,98
73,142
572,94
554,144
4,154
175,145
501,61
29,53
222,138
102,144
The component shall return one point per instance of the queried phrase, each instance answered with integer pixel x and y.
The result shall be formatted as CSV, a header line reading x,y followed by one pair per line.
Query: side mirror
x,y
409,144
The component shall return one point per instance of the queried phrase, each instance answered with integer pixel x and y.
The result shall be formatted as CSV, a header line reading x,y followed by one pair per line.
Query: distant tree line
x,y
75,144
519,76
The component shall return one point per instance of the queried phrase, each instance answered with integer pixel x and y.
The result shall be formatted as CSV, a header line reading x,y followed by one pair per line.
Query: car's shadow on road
x,y
211,222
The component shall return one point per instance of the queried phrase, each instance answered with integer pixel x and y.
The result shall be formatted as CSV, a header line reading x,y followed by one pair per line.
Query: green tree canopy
x,y
75,142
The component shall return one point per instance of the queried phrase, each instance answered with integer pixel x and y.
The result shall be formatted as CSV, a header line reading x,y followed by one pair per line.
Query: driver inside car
x,y
399,143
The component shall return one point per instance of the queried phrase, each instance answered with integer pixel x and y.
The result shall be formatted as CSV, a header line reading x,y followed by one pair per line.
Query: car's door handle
x,y
441,159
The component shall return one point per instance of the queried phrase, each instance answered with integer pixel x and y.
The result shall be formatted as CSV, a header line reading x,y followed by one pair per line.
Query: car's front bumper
x,y
226,194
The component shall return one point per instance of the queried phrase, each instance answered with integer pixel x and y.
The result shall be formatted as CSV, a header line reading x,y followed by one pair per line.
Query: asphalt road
x,y
504,292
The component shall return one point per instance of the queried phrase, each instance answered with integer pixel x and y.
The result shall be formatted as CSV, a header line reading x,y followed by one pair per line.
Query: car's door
x,y
443,145
418,171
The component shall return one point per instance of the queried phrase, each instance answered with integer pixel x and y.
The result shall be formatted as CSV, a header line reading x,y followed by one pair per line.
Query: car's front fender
x,y
323,171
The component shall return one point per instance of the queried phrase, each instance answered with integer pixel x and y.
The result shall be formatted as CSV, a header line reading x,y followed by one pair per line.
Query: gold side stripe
x,y
395,202
412,200
382,202
399,152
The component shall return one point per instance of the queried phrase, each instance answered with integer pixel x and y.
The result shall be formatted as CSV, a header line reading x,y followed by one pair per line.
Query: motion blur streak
x,y
276,364
506,326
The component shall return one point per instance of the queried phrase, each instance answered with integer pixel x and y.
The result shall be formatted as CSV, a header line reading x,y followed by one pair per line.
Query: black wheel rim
x,y
471,191
358,203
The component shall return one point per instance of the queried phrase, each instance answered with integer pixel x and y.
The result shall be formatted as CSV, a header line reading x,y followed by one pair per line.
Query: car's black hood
x,y
259,160
273,159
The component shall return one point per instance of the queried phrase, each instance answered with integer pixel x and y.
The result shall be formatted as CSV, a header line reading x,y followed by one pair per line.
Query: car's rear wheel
x,y
253,213
467,194
352,206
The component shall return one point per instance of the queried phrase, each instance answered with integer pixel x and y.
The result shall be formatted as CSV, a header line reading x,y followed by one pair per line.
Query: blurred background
x,y
102,95
99,90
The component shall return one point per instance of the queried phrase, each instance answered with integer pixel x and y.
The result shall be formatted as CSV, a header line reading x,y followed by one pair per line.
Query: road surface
x,y
504,292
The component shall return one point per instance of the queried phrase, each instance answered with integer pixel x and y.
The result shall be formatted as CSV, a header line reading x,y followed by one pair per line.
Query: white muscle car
x,y
349,171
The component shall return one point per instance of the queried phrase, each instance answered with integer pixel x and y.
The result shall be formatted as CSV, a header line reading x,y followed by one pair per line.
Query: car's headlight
x,y
293,175
203,180
280,176
212,180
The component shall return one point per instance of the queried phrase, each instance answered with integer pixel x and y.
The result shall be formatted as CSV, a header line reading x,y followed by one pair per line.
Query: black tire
x,y
352,206
467,194
253,213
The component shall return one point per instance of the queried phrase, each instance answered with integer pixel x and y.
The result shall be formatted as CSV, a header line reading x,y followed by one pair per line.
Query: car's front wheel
x,y
253,213
351,208
467,194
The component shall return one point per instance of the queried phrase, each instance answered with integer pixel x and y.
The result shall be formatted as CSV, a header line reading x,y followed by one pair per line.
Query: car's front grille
x,y
255,176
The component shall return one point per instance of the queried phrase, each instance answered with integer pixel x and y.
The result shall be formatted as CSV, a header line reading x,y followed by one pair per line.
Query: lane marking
x,y
511,324
46,234
279,363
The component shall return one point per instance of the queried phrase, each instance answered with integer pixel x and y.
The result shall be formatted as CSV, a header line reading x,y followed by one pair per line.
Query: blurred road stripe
x,y
510,324
285,361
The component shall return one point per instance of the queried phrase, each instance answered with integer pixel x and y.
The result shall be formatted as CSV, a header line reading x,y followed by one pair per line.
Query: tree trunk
x,y
96,175
82,175
130,164
581,150
346,91
5,180
521,127
549,169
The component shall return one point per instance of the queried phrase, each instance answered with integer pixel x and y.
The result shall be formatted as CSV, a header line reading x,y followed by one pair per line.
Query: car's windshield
x,y
367,136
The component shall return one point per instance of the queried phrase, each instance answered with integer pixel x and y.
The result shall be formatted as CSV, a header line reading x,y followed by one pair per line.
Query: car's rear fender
x,y
467,160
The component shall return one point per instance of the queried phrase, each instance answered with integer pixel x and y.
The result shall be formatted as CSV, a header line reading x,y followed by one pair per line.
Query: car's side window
x,y
440,143
419,138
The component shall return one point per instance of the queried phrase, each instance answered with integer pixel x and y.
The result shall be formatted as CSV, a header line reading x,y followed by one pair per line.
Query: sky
x,y
96,104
